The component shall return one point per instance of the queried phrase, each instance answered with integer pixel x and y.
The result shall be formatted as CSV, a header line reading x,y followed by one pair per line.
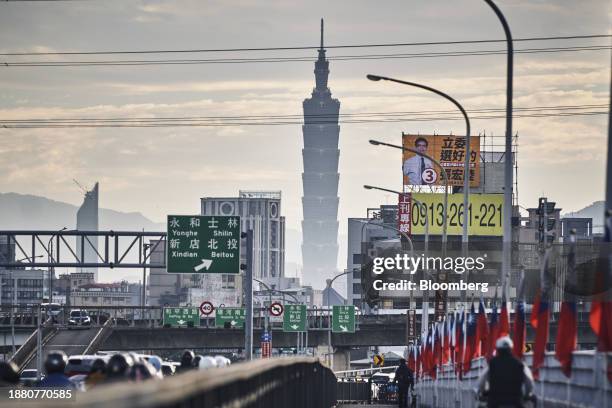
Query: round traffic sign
x,y
429,176
276,309
206,308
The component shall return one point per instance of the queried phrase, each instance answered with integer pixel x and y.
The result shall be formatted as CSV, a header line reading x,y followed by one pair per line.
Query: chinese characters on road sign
x,y
203,244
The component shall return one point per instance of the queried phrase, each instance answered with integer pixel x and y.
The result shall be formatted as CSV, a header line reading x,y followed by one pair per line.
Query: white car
x,y
79,318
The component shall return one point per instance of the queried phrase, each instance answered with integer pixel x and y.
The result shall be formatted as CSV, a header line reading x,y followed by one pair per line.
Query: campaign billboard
x,y
448,150
485,214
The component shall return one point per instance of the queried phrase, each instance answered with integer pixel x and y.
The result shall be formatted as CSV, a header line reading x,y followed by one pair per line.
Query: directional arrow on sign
x,y
344,328
204,265
233,323
295,327
181,321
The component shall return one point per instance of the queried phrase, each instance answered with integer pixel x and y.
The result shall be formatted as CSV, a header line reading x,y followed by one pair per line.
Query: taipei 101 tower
x,y
320,179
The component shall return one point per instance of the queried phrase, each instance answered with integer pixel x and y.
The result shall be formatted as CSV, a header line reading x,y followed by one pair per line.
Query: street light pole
x,y
507,238
444,176
329,283
12,310
51,259
468,151
425,307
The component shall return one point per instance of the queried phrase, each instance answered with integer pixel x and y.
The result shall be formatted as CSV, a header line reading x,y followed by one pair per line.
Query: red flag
x,y
428,355
482,330
437,348
417,370
470,340
411,359
534,311
459,339
541,338
567,336
600,319
493,332
431,355
451,338
504,324
446,342
519,329
567,331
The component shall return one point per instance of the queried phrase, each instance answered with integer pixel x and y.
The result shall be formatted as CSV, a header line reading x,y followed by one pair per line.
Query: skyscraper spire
x,y
321,35
321,67
320,179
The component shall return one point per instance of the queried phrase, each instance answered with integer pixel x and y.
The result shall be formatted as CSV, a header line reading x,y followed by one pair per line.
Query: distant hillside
x,y
20,211
594,211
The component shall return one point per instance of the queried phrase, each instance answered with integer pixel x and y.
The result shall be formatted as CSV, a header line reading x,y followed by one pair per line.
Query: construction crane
x,y
83,189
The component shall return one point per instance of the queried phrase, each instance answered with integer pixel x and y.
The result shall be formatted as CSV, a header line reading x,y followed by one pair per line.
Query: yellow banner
x,y
484,214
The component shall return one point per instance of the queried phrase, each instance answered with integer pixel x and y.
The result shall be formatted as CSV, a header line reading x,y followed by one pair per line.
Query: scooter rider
x,y
506,378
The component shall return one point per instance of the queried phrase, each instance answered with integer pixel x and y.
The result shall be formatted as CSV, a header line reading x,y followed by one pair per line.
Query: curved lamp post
x,y
444,176
329,283
468,151
507,213
425,307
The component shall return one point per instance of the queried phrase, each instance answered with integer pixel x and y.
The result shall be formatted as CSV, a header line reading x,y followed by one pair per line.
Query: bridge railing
x,y
27,351
279,382
587,387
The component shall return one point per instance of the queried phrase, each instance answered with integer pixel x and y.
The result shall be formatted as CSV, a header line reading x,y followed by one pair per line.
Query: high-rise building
x,y
259,211
87,220
320,179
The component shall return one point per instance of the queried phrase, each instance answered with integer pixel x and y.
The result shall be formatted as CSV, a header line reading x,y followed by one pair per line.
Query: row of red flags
x,y
462,337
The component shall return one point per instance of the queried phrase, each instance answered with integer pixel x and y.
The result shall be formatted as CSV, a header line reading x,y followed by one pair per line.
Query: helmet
x,y
197,359
222,361
142,370
187,358
155,362
56,362
119,365
207,362
504,343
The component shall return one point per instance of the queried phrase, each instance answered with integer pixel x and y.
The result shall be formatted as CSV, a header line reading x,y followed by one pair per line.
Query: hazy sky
x,y
166,170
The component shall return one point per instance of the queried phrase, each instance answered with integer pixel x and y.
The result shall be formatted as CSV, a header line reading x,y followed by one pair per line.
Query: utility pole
x,y
248,288
39,346
12,311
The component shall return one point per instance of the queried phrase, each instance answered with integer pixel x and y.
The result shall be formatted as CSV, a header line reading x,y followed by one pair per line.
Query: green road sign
x,y
343,319
203,244
294,319
230,317
181,316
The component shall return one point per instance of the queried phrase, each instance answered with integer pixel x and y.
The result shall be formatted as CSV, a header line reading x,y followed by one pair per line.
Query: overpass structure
x,y
138,328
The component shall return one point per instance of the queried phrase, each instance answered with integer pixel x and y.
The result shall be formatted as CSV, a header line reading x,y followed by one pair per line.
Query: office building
x,y
87,220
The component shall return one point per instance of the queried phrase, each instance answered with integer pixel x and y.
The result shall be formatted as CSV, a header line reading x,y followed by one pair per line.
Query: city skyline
x,y
187,164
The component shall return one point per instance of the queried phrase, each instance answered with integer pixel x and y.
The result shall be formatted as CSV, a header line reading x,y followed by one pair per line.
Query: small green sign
x,y
181,316
343,319
230,317
203,244
294,319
